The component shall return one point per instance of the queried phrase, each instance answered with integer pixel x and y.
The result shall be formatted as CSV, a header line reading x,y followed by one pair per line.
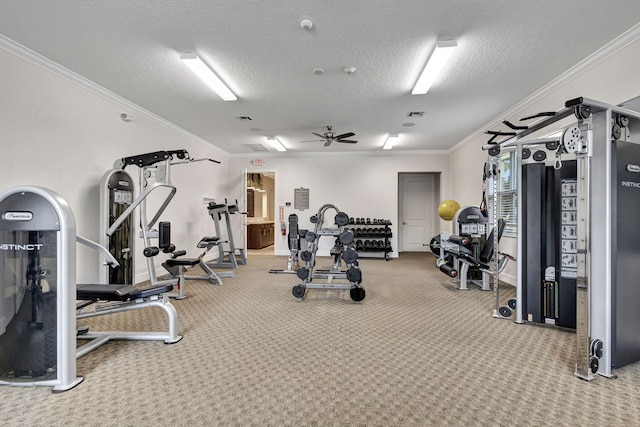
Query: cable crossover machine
x,y
577,240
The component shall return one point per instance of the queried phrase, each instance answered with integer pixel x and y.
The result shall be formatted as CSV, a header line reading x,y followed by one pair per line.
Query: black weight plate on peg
x,y
349,256
354,275
594,364
310,236
539,156
298,291
512,303
341,219
494,151
302,273
526,153
313,219
346,237
305,256
504,311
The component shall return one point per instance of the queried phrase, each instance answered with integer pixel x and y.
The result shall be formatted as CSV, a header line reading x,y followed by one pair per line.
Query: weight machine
x,y
297,244
598,239
38,308
230,256
118,205
343,250
467,255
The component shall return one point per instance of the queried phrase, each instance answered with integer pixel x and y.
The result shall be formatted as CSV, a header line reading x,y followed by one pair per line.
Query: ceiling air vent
x,y
415,113
255,147
244,118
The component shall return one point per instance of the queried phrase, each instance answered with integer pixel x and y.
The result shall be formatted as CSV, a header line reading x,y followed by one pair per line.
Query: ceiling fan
x,y
329,137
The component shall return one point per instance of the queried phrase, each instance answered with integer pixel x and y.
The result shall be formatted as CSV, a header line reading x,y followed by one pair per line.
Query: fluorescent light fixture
x,y
390,142
436,63
276,143
203,71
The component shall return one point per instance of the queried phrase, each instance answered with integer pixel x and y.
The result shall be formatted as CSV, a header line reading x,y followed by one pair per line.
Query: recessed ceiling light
x,y
318,71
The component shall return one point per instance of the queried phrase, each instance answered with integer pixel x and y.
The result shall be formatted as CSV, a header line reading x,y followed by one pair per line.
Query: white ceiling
x,y
507,49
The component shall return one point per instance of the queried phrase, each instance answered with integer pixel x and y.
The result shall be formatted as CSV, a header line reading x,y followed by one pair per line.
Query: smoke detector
x,y
306,24
349,70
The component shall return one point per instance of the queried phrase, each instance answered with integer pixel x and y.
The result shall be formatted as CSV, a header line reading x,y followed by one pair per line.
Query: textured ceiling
x,y
507,49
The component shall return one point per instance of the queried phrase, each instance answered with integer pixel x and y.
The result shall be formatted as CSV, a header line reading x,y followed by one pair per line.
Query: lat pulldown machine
x,y
118,205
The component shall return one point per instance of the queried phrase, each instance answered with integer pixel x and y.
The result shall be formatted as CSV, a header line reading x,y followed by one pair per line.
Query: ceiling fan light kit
x,y
329,137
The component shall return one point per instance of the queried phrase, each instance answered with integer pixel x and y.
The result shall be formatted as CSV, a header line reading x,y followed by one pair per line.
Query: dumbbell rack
x,y
343,250
372,236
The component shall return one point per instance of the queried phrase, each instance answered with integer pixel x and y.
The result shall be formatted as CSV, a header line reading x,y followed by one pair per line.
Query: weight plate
x,y
305,256
594,364
354,275
551,145
526,153
349,256
539,156
435,246
512,303
504,311
310,236
494,151
298,291
341,219
302,273
346,237
357,294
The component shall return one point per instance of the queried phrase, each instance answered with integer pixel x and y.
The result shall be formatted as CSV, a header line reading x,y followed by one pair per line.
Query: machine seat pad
x,y
104,292
151,291
182,261
207,240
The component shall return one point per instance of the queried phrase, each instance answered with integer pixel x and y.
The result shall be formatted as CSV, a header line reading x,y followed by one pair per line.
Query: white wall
x,y
362,185
609,75
59,135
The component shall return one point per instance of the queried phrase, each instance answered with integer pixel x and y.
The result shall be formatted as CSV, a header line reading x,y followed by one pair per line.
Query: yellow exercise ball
x,y
447,209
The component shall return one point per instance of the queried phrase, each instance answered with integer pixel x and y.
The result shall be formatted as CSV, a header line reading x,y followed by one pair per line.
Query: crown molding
x,y
75,78
625,39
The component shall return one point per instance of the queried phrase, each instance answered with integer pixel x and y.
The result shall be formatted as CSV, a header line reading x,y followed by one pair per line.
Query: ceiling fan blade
x,y
319,135
345,135
313,140
348,141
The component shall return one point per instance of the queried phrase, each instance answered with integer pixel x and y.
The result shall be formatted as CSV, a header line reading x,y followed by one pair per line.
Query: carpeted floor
x,y
415,352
